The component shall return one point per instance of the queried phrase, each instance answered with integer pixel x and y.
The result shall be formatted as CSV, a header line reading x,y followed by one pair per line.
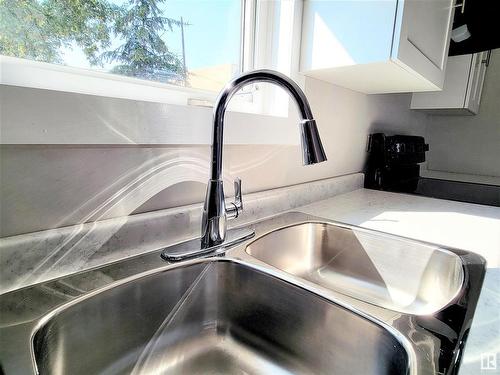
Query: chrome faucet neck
x,y
215,213
234,86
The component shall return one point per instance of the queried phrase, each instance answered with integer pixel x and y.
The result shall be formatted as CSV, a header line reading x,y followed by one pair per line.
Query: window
x,y
191,43
170,51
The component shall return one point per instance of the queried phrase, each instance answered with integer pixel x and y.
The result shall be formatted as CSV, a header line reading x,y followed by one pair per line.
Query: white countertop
x,y
464,226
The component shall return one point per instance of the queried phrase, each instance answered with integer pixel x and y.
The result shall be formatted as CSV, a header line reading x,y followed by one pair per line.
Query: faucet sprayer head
x,y
312,148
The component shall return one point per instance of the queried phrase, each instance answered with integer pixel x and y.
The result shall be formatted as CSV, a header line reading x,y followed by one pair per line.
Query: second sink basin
x,y
213,317
394,273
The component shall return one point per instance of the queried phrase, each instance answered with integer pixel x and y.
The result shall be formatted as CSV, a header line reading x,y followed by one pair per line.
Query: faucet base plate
x,y
192,249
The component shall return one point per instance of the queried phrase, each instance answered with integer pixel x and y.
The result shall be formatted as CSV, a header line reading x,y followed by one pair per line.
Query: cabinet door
x,y
454,88
476,81
422,37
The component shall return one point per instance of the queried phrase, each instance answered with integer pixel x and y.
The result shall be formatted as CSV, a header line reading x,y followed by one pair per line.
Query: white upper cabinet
x,y
462,89
377,46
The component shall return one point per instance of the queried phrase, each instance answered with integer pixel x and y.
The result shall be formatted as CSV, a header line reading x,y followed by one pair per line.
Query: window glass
x,y
193,43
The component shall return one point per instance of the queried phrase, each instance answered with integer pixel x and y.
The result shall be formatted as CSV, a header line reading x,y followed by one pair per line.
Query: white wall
x,y
47,186
469,144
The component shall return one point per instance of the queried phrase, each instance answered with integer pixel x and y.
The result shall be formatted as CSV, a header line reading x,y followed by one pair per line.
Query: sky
x,y
211,38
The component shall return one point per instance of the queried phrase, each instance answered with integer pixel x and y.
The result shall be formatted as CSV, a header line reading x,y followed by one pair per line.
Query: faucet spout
x,y
215,214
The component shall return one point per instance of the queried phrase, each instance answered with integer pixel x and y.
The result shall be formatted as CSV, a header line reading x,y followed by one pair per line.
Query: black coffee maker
x,y
393,162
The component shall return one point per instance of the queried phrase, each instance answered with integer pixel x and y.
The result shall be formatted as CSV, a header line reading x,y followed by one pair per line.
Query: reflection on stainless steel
x,y
396,274
125,195
212,317
237,314
215,212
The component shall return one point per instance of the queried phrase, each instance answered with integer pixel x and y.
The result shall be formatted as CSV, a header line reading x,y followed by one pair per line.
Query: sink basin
x,y
387,271
213,317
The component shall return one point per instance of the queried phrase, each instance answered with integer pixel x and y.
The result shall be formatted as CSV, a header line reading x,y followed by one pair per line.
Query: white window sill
x,y
35,74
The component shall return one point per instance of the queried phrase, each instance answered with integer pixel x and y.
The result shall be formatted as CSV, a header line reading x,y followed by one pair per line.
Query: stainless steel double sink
x,y
305,297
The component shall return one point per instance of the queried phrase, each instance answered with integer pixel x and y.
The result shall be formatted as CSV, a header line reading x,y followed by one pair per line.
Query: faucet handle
x,y
237,206
238,200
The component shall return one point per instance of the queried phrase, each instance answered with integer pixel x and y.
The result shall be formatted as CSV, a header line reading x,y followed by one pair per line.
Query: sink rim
x,y
435,247
292,281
